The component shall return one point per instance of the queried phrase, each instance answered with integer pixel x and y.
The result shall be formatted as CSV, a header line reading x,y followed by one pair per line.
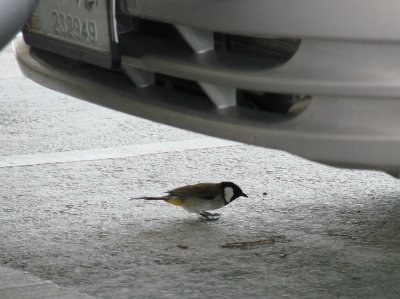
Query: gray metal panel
x,y
351,132
344,19
13,15
69,50
318,67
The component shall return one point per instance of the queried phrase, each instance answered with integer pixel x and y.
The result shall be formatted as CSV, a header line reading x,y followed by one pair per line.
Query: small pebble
x,y
182,246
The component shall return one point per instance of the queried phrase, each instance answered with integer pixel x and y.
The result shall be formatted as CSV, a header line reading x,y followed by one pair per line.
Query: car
x,y
13,15
314,78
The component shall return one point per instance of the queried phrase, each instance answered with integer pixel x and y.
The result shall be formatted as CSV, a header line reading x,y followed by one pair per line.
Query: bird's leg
x,y
205,214
213,214
209,216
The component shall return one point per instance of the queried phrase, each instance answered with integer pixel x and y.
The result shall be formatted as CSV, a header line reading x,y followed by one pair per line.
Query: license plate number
x,y
81,22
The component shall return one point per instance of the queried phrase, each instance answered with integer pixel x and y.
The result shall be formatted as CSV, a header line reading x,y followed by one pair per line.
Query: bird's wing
x,y
204,191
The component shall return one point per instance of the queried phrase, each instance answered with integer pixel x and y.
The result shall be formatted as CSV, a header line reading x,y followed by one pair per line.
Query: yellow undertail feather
x,y
175,201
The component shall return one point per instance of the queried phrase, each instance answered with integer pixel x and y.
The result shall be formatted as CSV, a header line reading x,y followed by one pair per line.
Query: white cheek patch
x,y
228,193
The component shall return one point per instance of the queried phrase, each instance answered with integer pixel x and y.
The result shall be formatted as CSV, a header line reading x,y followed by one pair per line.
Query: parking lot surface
x,y
68,169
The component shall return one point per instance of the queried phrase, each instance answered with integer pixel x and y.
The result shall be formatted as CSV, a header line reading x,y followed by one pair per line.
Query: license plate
x,y
84,23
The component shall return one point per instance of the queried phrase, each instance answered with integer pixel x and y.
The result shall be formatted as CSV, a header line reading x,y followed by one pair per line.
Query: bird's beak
x,y
244,195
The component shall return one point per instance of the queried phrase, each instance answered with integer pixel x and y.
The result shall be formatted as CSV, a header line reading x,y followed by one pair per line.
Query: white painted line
x,y
113,153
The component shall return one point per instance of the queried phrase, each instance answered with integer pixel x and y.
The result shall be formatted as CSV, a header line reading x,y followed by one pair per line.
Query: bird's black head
x,y
231,191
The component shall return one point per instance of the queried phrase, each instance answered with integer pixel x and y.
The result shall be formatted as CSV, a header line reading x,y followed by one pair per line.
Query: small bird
x,y
200,198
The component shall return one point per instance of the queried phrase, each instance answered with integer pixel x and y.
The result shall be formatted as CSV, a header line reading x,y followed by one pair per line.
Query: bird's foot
x,y
209,216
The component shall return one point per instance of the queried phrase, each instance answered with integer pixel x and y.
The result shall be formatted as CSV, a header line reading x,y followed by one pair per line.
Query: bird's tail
x,y
148,198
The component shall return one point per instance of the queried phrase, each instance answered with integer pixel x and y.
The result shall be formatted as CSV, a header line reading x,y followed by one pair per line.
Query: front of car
x,y
320,80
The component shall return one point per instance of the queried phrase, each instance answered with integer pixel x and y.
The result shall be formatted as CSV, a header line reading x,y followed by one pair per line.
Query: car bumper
x,y
341,131
228,68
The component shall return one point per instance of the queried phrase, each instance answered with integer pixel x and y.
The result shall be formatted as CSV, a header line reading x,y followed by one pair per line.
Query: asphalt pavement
x,y
68,169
